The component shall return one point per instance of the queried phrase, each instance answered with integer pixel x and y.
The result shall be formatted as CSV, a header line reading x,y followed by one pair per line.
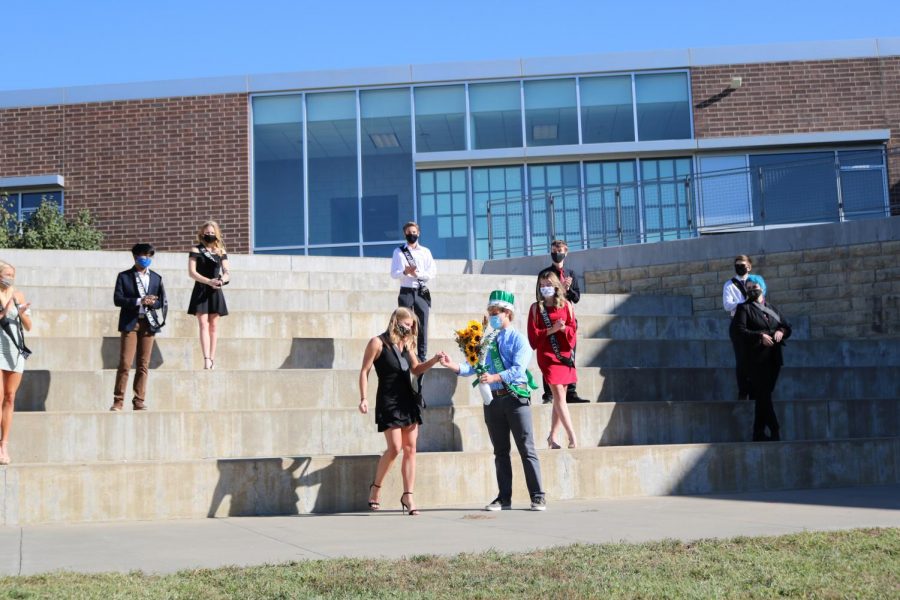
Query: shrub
x,y
47,228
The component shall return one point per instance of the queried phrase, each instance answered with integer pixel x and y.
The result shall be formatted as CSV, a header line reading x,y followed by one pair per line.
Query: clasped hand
x,y
409,271
771,340
560,325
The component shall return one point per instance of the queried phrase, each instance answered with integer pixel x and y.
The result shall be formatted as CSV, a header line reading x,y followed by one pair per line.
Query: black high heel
x,y
373,505
405,508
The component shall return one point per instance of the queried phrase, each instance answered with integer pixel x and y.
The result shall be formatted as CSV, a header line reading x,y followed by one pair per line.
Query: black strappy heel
x,y
405,507
373,505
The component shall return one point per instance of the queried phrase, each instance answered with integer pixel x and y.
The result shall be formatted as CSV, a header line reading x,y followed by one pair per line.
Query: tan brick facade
x,y
148,170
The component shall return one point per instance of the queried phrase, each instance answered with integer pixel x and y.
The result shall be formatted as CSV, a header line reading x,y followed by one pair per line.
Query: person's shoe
x,y
552,445
407,507
374,504
538,503
116,406
498,504
138,405
576,400
547,399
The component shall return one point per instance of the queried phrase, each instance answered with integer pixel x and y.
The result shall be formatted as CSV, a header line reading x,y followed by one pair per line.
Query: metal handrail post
x,y
551,219
490,228
619,215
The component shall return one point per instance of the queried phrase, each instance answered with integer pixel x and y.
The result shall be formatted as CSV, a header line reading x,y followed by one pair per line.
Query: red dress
x,y
554,372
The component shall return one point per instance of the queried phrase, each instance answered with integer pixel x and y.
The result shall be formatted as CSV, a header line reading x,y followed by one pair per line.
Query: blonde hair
x,y
410,342
553,278
219,245
6,265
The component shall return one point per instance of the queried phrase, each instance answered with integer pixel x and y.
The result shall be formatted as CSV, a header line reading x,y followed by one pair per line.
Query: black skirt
x,y
207,300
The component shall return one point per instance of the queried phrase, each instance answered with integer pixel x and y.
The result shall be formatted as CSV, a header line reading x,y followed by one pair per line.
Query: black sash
x,y
423,290
152,317
768,311
216,259
19,343
569,361
739,284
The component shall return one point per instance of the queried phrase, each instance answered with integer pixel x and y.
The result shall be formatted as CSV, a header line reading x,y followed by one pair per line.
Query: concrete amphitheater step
x,y
68,493
78,437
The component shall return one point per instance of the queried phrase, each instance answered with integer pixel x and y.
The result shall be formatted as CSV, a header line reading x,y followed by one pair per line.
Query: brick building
x,y
633,147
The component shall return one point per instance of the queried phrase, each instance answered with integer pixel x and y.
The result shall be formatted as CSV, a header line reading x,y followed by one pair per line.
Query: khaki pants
x,y
140,341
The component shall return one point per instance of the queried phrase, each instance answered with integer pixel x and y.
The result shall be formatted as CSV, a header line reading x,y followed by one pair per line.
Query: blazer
x,y
573,294
126,297
748,325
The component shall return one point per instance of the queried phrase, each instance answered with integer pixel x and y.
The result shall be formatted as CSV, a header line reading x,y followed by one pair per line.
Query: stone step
x,y
64,391
67,493
76,437
99,323
327,353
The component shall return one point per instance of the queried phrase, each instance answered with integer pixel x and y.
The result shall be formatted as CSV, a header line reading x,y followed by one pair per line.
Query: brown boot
x,y
116,406
138,404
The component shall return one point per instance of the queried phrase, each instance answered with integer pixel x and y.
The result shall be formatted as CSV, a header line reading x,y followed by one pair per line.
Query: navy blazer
x,y
126,297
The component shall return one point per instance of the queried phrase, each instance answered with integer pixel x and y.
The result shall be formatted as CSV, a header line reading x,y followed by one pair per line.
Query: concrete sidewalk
x,y
167,546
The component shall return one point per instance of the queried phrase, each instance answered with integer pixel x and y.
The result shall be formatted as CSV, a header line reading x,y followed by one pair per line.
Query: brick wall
x,y
147,169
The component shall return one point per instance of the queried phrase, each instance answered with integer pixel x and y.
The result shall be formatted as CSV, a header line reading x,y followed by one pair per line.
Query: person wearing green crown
x,y
509,408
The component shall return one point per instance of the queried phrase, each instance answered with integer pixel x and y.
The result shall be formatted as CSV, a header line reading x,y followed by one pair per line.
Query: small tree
x,y
47,228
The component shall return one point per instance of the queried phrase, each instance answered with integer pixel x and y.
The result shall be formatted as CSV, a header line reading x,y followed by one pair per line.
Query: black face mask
x,y
412,238
558,257
741,269
209,238
754,294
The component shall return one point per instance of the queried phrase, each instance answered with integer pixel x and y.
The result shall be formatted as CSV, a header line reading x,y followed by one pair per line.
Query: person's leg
x,y
11,381
422,309
740,369
769,416
203,324
561,414
127,347
522,427
145,339
498,431
213,336
547,396
409,436
393,438
759,394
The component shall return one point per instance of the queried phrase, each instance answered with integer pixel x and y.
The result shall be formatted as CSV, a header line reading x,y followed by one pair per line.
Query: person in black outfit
x,y
397,411
208,267
733,294
762,329
558,251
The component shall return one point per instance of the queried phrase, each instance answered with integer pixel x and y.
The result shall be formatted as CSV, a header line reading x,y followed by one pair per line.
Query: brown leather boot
x,y
116,406
138,404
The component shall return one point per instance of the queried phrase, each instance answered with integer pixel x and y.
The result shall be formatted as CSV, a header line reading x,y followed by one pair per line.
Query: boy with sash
x,y
508,411
141,298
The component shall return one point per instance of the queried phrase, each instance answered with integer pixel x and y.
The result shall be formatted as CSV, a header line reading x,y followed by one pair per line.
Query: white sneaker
x,y
538,503
498,504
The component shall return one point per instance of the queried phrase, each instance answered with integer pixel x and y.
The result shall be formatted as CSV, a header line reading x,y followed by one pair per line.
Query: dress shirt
x,y
425,267
145,281
732,296
515,354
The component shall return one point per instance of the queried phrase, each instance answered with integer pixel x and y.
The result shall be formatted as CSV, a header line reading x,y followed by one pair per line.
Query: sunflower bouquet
x,y
471,341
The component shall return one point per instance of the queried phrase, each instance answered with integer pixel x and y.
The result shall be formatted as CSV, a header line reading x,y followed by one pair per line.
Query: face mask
x,y
558,257
412,238
143,261
209,238
548,292
754,294
6,282
403,330
495,321
741,269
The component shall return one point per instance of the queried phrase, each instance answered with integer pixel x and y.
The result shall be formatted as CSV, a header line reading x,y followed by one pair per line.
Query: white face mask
x,y
6,282
548,291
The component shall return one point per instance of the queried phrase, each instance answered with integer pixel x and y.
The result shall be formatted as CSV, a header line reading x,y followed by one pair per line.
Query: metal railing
x,y
818,190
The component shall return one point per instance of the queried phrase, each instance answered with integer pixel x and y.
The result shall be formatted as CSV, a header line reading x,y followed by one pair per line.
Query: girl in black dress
x,y
208,267
397,414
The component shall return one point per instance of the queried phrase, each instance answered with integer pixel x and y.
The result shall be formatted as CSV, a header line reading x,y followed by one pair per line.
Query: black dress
x,y
206,299
394,402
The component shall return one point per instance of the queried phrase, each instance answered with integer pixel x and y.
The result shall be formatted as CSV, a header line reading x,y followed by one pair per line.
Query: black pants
x,y
740,368
409,298
762,382
507,415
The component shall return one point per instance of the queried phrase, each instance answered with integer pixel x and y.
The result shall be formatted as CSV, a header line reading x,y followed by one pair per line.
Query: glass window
x,y
611,201
333,189
384,250
724,192
496,113
502,188
335,251
440,118
794,187
29,202
663,106
668,202
550,112
562,183
387,165
278,171
863,184
607,111
443,212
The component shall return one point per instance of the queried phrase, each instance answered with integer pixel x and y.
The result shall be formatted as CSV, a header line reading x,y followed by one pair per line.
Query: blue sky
x,y
51,43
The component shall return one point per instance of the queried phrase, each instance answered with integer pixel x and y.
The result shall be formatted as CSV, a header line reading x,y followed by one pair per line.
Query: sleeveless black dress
x,y
394,402
205,299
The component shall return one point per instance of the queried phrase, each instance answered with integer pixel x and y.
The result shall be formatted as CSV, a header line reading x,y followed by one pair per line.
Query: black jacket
x,y
573,294
126,297
748,325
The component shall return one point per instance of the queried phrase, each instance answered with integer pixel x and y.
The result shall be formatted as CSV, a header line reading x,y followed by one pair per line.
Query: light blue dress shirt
x,y
515,354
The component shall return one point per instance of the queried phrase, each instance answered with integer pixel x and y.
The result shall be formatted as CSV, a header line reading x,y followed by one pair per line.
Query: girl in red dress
x,y
553,308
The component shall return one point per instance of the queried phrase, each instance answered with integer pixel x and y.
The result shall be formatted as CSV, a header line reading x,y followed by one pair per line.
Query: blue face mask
x,y
143,261
495,321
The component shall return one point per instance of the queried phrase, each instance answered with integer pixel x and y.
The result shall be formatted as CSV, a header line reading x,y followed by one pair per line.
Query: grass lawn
x,y
862,563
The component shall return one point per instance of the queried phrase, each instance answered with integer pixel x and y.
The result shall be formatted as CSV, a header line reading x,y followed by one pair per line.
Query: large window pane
x,y
794,187
443,212
724,186
668,208
607,111
333,190
502,188
496,115
278,171
562,183
335,251
387,166
863,184
550,112
611,200
663,106
440,118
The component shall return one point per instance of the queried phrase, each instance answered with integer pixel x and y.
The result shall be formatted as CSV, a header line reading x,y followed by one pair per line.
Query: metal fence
x,y
832,187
